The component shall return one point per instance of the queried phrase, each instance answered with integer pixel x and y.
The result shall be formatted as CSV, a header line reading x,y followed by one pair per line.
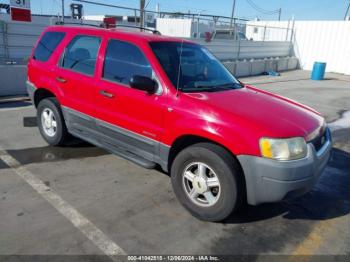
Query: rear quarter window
x,y
81,54
47,45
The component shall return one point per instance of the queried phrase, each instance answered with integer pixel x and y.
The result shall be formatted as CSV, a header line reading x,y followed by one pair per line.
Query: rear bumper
x,y
271,180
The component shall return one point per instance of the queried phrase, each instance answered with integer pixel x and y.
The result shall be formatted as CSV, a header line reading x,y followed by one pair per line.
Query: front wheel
x,y
51,122
207,181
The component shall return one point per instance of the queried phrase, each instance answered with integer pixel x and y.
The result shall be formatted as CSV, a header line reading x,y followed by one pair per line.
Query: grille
x,y
319,141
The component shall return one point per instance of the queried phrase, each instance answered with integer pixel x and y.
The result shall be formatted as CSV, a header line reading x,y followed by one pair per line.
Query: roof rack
x,y
80,24
103,25
154,31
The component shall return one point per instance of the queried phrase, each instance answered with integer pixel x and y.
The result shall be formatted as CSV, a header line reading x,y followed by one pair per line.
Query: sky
x,y
301,9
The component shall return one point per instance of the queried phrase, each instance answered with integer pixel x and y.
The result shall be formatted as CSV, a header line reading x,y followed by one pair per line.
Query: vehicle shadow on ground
x,y
329,199
75,149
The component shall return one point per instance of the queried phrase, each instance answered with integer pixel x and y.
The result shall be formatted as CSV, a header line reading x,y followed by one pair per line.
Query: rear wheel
x,y
51,122
207,181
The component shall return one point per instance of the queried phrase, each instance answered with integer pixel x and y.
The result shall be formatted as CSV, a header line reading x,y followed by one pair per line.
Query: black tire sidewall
x,y
219,161
52,104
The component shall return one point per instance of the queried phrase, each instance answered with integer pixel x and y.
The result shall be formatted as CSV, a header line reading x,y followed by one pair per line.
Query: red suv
x,y
164,101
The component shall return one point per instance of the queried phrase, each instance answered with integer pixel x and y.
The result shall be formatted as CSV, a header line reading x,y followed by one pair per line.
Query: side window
x,y
47,45
124,60
81,54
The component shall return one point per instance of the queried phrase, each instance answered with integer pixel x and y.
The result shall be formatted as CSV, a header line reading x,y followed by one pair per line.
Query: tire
x,y
59,135
217,162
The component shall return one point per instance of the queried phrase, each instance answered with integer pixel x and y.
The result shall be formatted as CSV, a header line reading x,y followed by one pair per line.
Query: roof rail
x,y
154,31
102,25
80,24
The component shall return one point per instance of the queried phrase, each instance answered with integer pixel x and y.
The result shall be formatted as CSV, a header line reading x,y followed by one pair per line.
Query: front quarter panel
x,y
185,116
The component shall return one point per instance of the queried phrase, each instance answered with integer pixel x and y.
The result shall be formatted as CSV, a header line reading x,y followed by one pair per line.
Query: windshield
x,y
199,70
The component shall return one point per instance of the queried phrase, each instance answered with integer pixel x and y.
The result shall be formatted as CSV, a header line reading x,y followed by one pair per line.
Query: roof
x,y
138,36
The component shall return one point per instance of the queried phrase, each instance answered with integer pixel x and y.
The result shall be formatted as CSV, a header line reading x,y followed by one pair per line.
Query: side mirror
x,y
143,83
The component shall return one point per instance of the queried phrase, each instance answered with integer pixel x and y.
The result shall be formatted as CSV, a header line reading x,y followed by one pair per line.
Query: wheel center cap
x,y
48,123
200,185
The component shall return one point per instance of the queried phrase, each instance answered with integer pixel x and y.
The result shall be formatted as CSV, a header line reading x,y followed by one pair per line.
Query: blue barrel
x,y
318,71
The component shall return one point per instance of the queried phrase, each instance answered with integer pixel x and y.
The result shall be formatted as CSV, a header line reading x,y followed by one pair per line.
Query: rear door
x,y
76,76
130,118
41,65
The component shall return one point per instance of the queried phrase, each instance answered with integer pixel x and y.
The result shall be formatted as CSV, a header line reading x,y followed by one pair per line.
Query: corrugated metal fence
x,y
238,50
17,40
324,41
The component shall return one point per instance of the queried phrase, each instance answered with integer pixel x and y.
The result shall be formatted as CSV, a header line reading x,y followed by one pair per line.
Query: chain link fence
x,y
246,49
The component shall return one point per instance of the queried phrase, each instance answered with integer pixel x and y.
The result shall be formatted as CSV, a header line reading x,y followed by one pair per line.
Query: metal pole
x,y
135,15
158,9
62,10
239,49
198,20
198,27
347,10
233,13
287,31
264,33
142,13
293,28
279,14
234,28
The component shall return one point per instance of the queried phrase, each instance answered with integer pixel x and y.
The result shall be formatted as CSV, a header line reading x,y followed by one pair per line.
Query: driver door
x,y
127,117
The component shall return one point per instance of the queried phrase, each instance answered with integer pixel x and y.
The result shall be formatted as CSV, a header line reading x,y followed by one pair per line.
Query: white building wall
x,y
323,41
179,27
175,27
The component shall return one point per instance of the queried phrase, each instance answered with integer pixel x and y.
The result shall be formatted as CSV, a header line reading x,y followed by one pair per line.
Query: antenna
x,y
179,70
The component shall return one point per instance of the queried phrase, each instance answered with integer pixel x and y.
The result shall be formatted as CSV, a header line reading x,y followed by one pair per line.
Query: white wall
x,y
175,27
323,41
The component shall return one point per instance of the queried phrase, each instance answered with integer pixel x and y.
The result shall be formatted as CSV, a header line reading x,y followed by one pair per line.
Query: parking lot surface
x,y
81,200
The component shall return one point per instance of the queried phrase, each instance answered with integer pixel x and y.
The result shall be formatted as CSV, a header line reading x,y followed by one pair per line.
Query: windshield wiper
x,y
213,88
229,86
198,89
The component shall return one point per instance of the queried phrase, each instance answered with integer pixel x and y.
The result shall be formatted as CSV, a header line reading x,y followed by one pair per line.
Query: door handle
x,y
61,80
106,94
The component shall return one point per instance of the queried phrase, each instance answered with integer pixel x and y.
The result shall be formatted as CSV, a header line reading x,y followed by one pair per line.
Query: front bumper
x,y
270,180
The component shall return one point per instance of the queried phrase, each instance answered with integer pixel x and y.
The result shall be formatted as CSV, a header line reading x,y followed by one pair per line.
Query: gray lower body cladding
x,y
137,148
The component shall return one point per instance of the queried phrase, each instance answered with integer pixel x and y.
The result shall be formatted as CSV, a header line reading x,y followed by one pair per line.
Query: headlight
x,y
283,149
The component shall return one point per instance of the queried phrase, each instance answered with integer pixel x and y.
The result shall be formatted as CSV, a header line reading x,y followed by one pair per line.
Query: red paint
x,y
208,36
110,22
236,119
19,14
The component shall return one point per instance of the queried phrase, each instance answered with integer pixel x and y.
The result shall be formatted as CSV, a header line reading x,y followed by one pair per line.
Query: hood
x,y
268,114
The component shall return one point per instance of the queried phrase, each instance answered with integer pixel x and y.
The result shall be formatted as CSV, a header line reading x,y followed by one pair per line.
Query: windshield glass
x,y
199,70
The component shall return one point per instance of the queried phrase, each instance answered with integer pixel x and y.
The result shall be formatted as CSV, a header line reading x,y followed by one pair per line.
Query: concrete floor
x,y
136,208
